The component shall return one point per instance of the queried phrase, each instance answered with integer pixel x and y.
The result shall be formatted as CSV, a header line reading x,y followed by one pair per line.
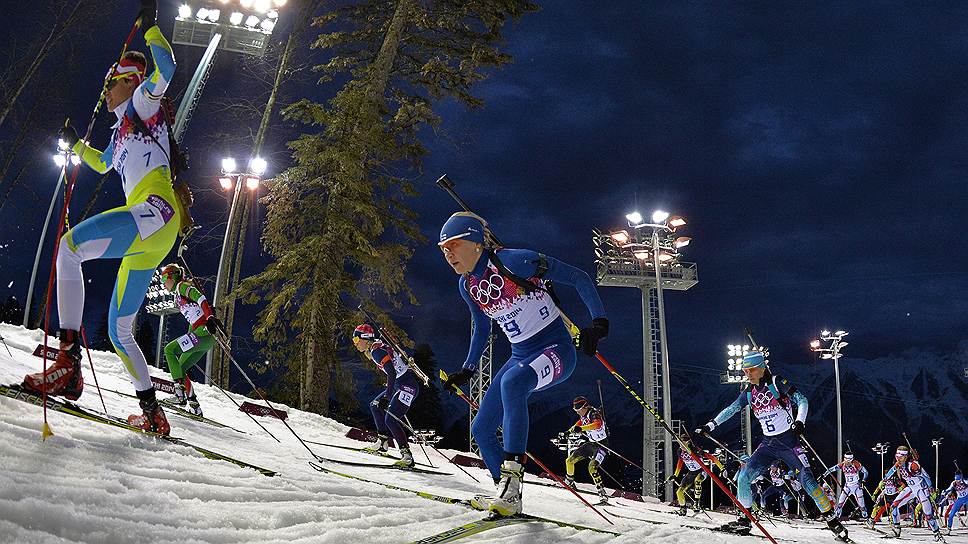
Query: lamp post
x,y
230,179
646,256
734,374
61,159
880,449
936,442
829,347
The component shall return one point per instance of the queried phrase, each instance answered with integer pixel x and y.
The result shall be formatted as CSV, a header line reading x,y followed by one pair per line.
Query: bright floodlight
x,y
62,144
677,221
267,25
251,21
635,218
246,3
840,333
214,14
201,14
75,160
236,18
59,160
641,254
225,182
272,14
258,166
815,344
262,6
279,3
659,216
824,333
682,241
228,165
621,237
665,257
251,183
184,11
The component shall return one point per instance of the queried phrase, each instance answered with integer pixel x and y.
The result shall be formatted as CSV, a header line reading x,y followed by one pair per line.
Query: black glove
x,y
798,427
69,135
214,326
382,403
457,379
589,337
148,14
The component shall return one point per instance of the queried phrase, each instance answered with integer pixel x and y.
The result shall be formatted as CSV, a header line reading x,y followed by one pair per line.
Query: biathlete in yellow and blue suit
x,y
140,233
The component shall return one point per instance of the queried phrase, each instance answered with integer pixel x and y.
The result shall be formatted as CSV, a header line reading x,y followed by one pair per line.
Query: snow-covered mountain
x,y
95,483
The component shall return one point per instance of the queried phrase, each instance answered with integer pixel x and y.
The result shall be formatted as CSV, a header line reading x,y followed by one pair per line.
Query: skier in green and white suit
x,y
183,352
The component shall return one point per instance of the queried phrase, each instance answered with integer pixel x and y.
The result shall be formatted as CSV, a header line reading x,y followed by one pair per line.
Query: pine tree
x,y
337,222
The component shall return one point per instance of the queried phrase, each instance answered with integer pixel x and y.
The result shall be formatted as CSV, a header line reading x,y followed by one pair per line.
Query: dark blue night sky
x,y
818,150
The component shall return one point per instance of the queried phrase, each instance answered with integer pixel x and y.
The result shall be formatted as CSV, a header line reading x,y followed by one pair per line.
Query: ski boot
x,y
380,446
181,395
407,459
896,528
602,495
938,537
833,523
683,511
570,482
152,417
508,500
740,526
193,405
64,377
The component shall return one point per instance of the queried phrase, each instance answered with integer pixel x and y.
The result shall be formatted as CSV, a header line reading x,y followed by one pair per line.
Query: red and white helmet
x,y
364,332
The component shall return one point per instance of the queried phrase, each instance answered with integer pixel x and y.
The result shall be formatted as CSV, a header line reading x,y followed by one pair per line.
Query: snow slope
x,y
95,483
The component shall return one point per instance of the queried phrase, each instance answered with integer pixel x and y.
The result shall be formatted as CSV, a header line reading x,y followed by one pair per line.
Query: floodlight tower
x,y
160,302
647,257
734,374
62,158
880,449
834,342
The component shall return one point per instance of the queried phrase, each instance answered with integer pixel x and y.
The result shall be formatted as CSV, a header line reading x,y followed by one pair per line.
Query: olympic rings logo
x,y
487,290
762,400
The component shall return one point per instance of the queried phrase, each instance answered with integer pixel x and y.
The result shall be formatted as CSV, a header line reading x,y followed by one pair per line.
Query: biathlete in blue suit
x,y
510,287
772,399
391,405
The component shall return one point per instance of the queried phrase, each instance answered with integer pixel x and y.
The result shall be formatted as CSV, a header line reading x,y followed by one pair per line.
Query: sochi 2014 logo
x,y
487,290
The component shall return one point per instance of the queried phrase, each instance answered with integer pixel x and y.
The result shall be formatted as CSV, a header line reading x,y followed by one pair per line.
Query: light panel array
x,y
258,15
160,300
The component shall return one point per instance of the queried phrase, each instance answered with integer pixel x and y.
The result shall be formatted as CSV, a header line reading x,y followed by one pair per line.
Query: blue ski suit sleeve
x,y
482,325
731,410
524,263
383,359
863,473
147,96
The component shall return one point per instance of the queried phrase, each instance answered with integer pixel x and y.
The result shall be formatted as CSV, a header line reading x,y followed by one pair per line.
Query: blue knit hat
x,y
754,359
462,225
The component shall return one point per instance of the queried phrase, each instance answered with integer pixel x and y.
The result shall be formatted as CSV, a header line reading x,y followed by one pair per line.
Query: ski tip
x,y
46,432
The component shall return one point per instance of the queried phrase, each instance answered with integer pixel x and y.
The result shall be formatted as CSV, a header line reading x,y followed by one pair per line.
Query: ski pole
x,y
8,347
68,192
406,425
472,404
228,352
235,402
415,437
620,456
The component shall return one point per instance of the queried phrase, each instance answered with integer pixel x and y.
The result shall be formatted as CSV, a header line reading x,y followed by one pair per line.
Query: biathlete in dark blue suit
x,y
510,286
391,405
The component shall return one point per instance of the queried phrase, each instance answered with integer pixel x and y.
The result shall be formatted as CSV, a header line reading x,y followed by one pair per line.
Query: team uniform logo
x,y
520,315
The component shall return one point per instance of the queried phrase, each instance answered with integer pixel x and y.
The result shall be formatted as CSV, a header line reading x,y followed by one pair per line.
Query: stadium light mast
x,y
880,449
829,346
646,256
